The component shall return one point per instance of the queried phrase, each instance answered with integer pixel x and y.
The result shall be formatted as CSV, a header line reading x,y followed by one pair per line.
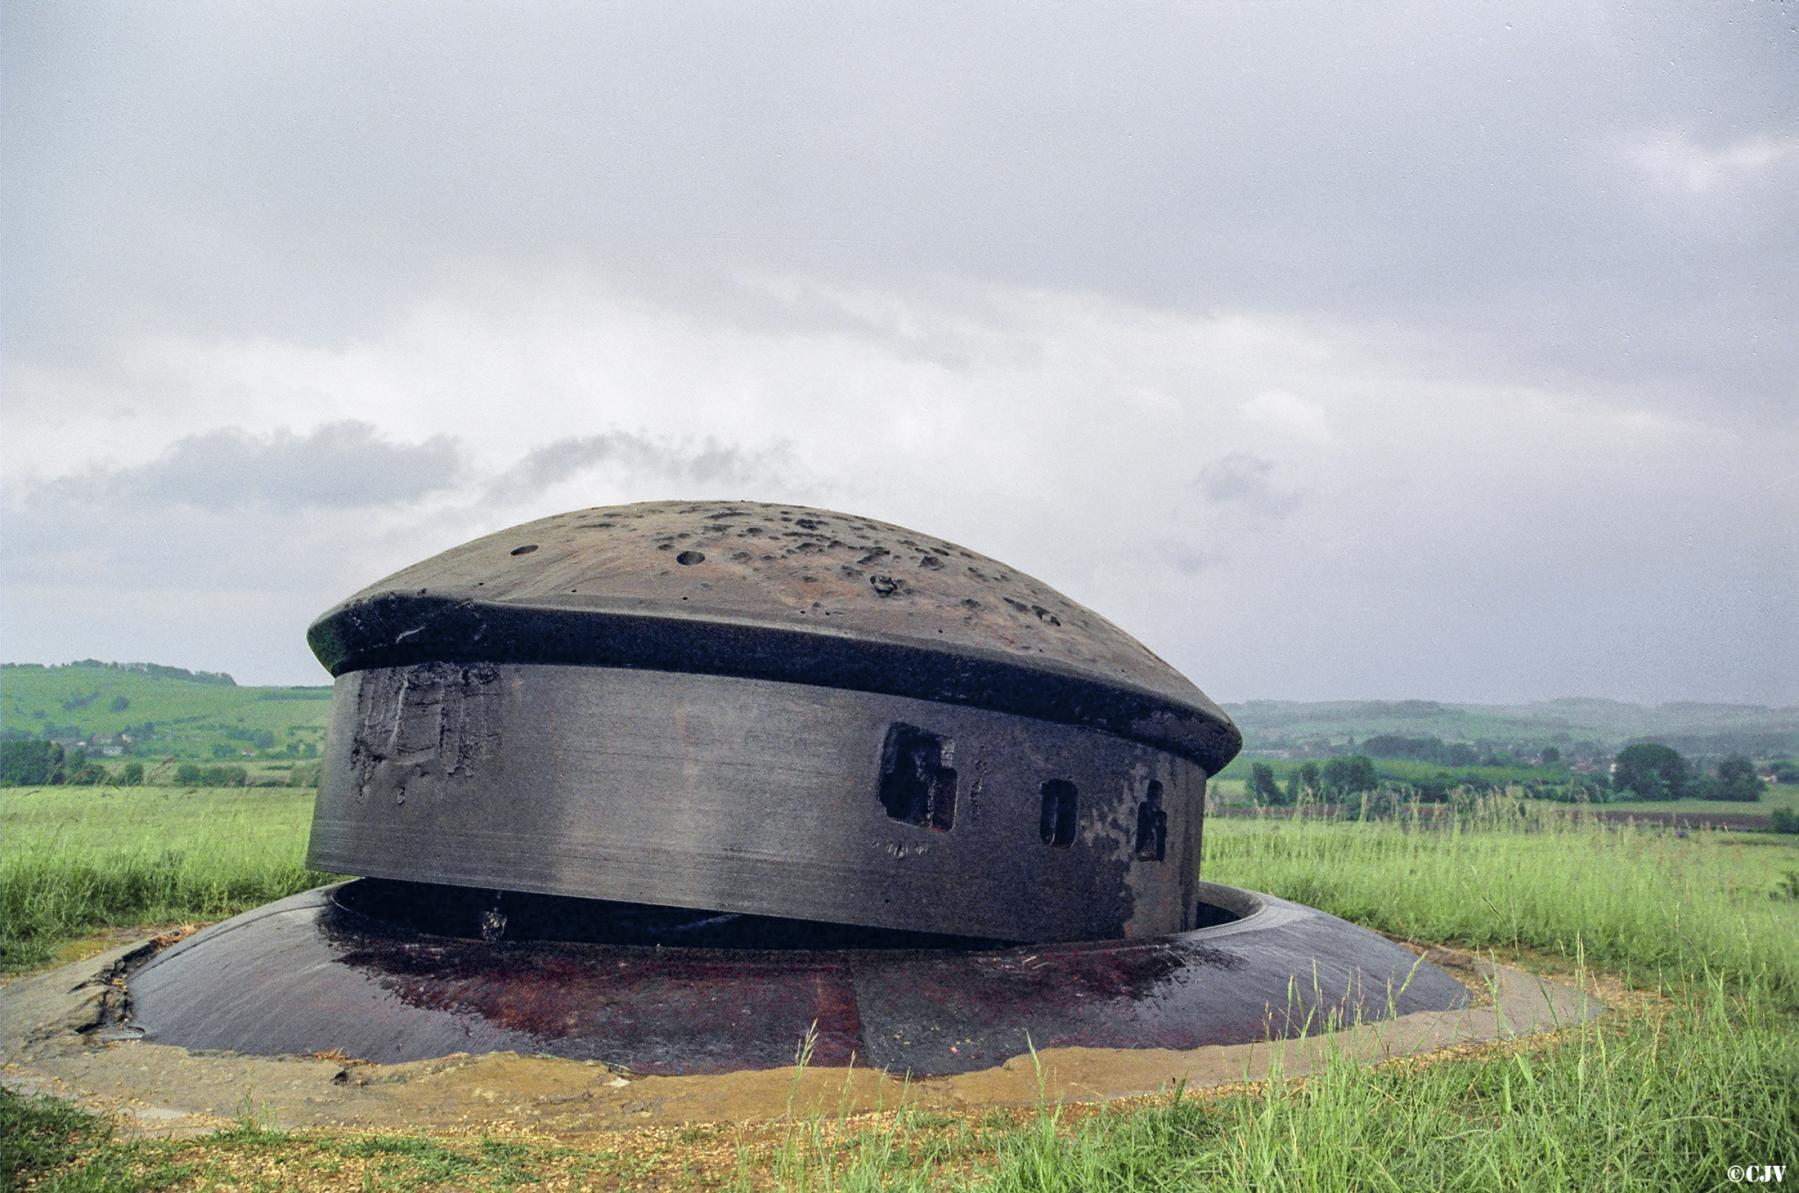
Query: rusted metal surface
x,y
776,592
313,974
764,709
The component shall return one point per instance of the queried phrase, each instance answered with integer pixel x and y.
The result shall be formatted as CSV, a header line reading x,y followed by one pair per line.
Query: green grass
x,y
1647,903
1645,1105
81,859
53,1147
1666,1093
1644,1108
39,1135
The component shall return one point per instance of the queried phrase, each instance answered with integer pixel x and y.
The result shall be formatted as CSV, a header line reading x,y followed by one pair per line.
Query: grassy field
x,y
81,859
1696,1071
1777,795
1655,907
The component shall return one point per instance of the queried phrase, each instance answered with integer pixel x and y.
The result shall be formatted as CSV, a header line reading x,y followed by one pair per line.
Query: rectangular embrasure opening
x,y
918,777
1056,824
1152,826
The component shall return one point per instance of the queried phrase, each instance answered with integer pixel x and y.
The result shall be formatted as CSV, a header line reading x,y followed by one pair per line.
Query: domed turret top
x,y
775,592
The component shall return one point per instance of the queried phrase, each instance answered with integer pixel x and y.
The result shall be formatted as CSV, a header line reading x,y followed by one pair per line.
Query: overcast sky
x,y
1333,350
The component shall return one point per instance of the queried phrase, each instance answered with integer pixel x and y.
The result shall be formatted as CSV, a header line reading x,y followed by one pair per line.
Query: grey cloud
x,y
1676,162
182,581
705,463
1464,188
336,466
1189,559
1445,171
1248,482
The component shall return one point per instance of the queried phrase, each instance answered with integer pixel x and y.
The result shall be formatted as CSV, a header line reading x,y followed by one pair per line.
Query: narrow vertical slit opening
x,y
1056,822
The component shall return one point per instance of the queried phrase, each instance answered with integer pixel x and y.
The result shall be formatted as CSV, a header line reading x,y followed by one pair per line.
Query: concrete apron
x,y
49,1044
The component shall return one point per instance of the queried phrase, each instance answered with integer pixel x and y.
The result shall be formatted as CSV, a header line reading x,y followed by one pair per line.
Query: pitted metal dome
x,y
768,710
776,592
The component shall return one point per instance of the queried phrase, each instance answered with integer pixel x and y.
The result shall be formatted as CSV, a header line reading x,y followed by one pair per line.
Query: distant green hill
x,y
1574,726
146,710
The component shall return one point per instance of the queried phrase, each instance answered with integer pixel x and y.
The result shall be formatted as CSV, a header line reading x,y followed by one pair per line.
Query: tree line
x,y
1651,770
33,763
1642,771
